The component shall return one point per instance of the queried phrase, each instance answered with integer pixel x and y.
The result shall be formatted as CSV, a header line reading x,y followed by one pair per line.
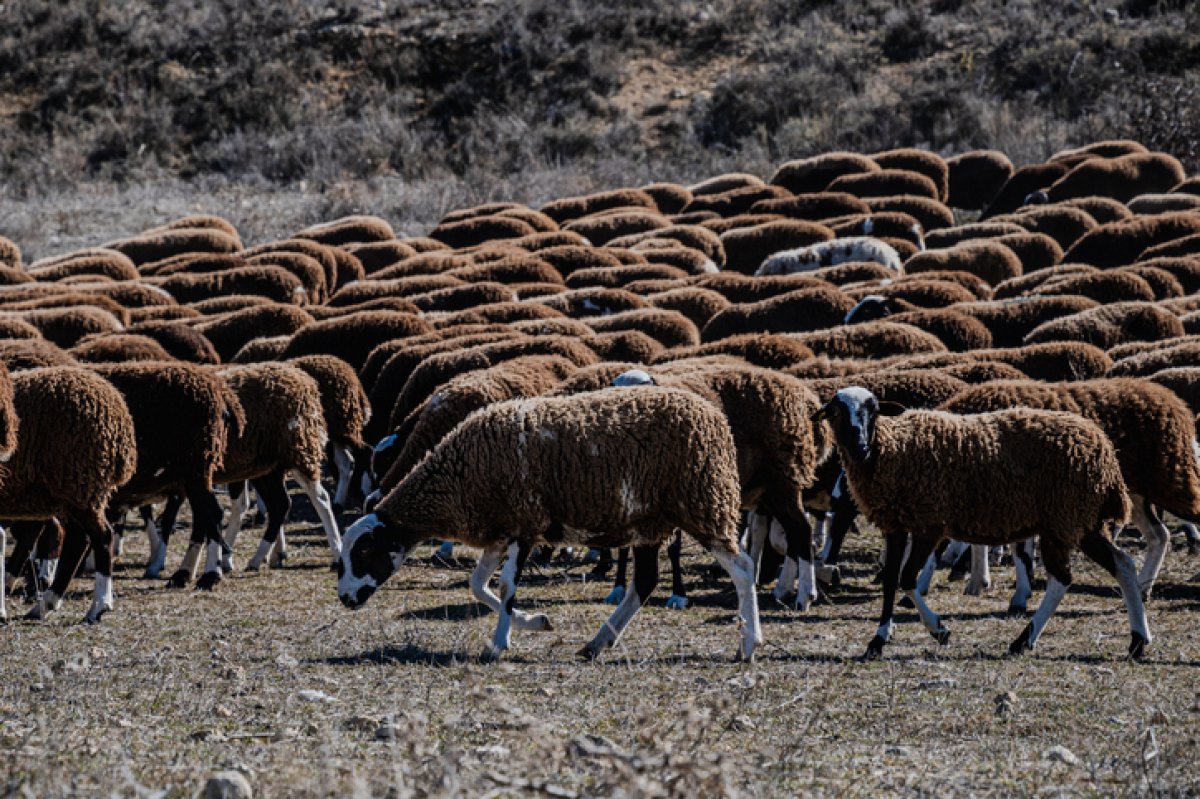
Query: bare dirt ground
x,y
270,675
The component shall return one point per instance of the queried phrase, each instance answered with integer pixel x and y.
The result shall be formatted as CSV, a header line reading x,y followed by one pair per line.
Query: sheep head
x,y
852,413
372,550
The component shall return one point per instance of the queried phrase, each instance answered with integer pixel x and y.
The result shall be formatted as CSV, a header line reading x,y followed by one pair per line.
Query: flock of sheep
x,y
941,348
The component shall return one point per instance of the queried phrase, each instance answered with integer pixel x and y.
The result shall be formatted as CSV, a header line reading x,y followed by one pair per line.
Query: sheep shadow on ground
x,y
408,654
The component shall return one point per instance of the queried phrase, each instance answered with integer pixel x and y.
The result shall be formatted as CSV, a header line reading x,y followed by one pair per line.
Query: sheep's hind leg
x,y
1158,539
480,589
206,531
1121,565
1058,569
620,579
678,598
741,571
799,536
894,547
100,536
233,525
518,553
75,545
981,578
156,542
273,493
645,578
921,549
319,498
758,525
1022,553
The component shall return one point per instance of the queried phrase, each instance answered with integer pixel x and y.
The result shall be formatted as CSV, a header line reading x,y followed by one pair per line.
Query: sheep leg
x,y
842,513
925,578
1158,538
1023,566
678,598
518,553
1119,564
480,589
1192,535
1058,569
155,543
789,515
233,525
618,593
343,461
100,536
3,574
25,536
166,526
758,524
894,550
919,553
319,498
206,529
981,577
645,579
273,492
75,544
741,571
820,536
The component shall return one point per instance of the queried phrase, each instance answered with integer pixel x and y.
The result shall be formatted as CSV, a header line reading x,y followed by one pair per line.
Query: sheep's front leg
x,y
758,525
319,498
1158,538
741,571
981,578
518,552
620,579
920,551
645,578
1120,565
678,598
1022,553
894,547
480,578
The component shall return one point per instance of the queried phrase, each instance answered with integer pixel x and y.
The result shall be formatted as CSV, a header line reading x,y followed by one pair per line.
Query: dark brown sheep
x,y
814,174
1165,284
735,201
352,337
11,276
516,269
157,246
309,270
572,258
1022,183
366,290
118,348
269,281
1175,248
1035,250
477,230
1030,284
922,162
948,237
115,266
566,209
728,181
958,332
813,207
376,255
67,326
1149,204
318,252
13,328
1109,325
268,348
20,354
618,276
669,328
746,248
664,252
1121,178
932,214
199,221
669,197
976,177
1184,269
486,209
886,183
180,340
694,237
795,311
1063,224
1102,209
1011,320
849,273
464,297
1055,361
1120,243
990,261
602,228
230,332
594,301
1109,148
697,304
349,230
721,225
768,350
494,313
1185,352
878,339
1106,286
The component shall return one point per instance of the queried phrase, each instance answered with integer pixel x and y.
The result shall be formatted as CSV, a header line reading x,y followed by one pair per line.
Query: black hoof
x,y
588,653
333,564
874,649
1016,611
1021,645
905,602
208,581
179,579
835,579
1137,646
942,636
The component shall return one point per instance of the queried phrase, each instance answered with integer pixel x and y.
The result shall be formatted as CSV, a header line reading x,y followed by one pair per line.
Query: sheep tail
x,y
233,413
1117,506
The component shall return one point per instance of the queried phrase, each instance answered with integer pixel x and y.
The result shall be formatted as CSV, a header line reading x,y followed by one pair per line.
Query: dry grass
x,y
174,685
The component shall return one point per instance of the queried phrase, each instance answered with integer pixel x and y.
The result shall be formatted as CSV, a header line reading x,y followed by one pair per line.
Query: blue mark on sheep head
x,y
852,413
633,377
372,549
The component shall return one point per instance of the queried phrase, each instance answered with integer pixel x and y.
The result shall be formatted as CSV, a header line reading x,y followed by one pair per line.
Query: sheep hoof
x,y
179,579
253,566
227,564
539,622
1137,646
151,574
830,575
93,617
905,602
974,588
874,649
36,613
1016,610
490,654
942,636
743,656
208,581
589,652
1021,645
615,596
676,602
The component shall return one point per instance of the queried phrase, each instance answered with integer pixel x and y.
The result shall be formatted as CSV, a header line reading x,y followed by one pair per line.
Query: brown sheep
x,y
515,269
157,246
1011,320
309,270
922,162
572,258
948,237
735,201
116,266
10,253
669,328
11,276
768,350
366,290
975,178
1055,361
477,230
795,311
268,348
18,355
884,225
1120,243
1149,204
1121,178
685,259
738,288
746,248
720,225
215,306
376,255
917,291
729,181
1106,286
932,214
1109,148
694,237
199,221
1184,269
229,332
850,272
352,337
13,328
697,304
486,209
1102,209
602,228
1185,352
318,252
1065,225
592,301
616,277
1176,248
1164,283
349,230
669,197
958,332
886,183
1030,284
118,348
813,207
460,298
992,262
162,313
1021,184
269,281
1109,325
488,313
878,339
814,174
1035,250
67,326
179,340
566,209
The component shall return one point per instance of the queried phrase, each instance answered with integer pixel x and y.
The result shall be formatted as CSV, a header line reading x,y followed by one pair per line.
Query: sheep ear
x,y
888,408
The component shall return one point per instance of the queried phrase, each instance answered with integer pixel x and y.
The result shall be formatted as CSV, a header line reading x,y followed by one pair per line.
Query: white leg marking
x,y
46,569
264,549
482,575
778,537
118,544
1024,587
741,571
785,586
191,558
158,550
981,577
1131,590
47,604
1158,538
344,461
502,639
821,540
931,620
102,598
233,526
806,588
320,501
279,552
758,527
1055,591
954,550
884,631
212,562
926,575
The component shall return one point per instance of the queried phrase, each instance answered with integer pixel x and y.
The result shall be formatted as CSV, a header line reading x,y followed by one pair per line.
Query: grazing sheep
x,y
1152,430
1148,204
986,479
853,272
199,221
346,408
1109,148
57,408
1102,209
568,208
1030,284
669,328
116,266
670,198
1121,243
813,207
922,162
1121,178
318,252
150,247
958,332
735,200
931,214
21,354
349,230
378,255
1022,183
1186,352
768,350
10,253
1110,325
462,297
887,226
988,260
1056,361
886,183
179,340
118,347
1175,248
1108,286
486,209
229,332
412,285
691,262
693,237
697,304
352,337
721,225
273,282
1065,225
1034,250
564,470
66,327
950,236
878,339
809,175
746,248
1010,320
831,253
602,228
480,229
515,269
975,178
618,276
592,301
309,270
795,311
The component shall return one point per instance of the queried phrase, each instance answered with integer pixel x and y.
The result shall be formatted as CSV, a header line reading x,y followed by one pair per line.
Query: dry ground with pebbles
x,y
270,675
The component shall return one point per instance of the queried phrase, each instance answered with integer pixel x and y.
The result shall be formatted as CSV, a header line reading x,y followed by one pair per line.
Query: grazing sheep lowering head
x,y
372,550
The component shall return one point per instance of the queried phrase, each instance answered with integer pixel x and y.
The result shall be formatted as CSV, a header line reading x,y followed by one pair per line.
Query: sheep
x,y
1034,250
463,297
958,332
258,350
1056,361
1010,320
1148,204
1179,247
669,328
480,229
11,276
378,255
1030,284
795,311
910,389
693,237
697,304
537,480
1102,209
535,219
10,253
886,183
831,253
1152,430
117,266
349,230
670,198
572,258
884,226
871,339
1111,324
1022,183
746,248
592,301
486,209
922,162
179,340
1109,148
21,354
852,272
98,312
191,262
814,174
950,236
1121,178
309,270
738,288
691,262
150,247
721,225
1164,284
931,214
693,218
768,350
67,326
320,312
975,178
229,332
424,244
183,416
1183,353
516,269
736,200
1120,243
128,294
813,207
1065,225
232,302
367,290
352,337
568,208
199,221
318,252
618,276
348,268
624,345
274,282
602,228
1110,286
45,410
986,479
992,262
118,348
346,408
